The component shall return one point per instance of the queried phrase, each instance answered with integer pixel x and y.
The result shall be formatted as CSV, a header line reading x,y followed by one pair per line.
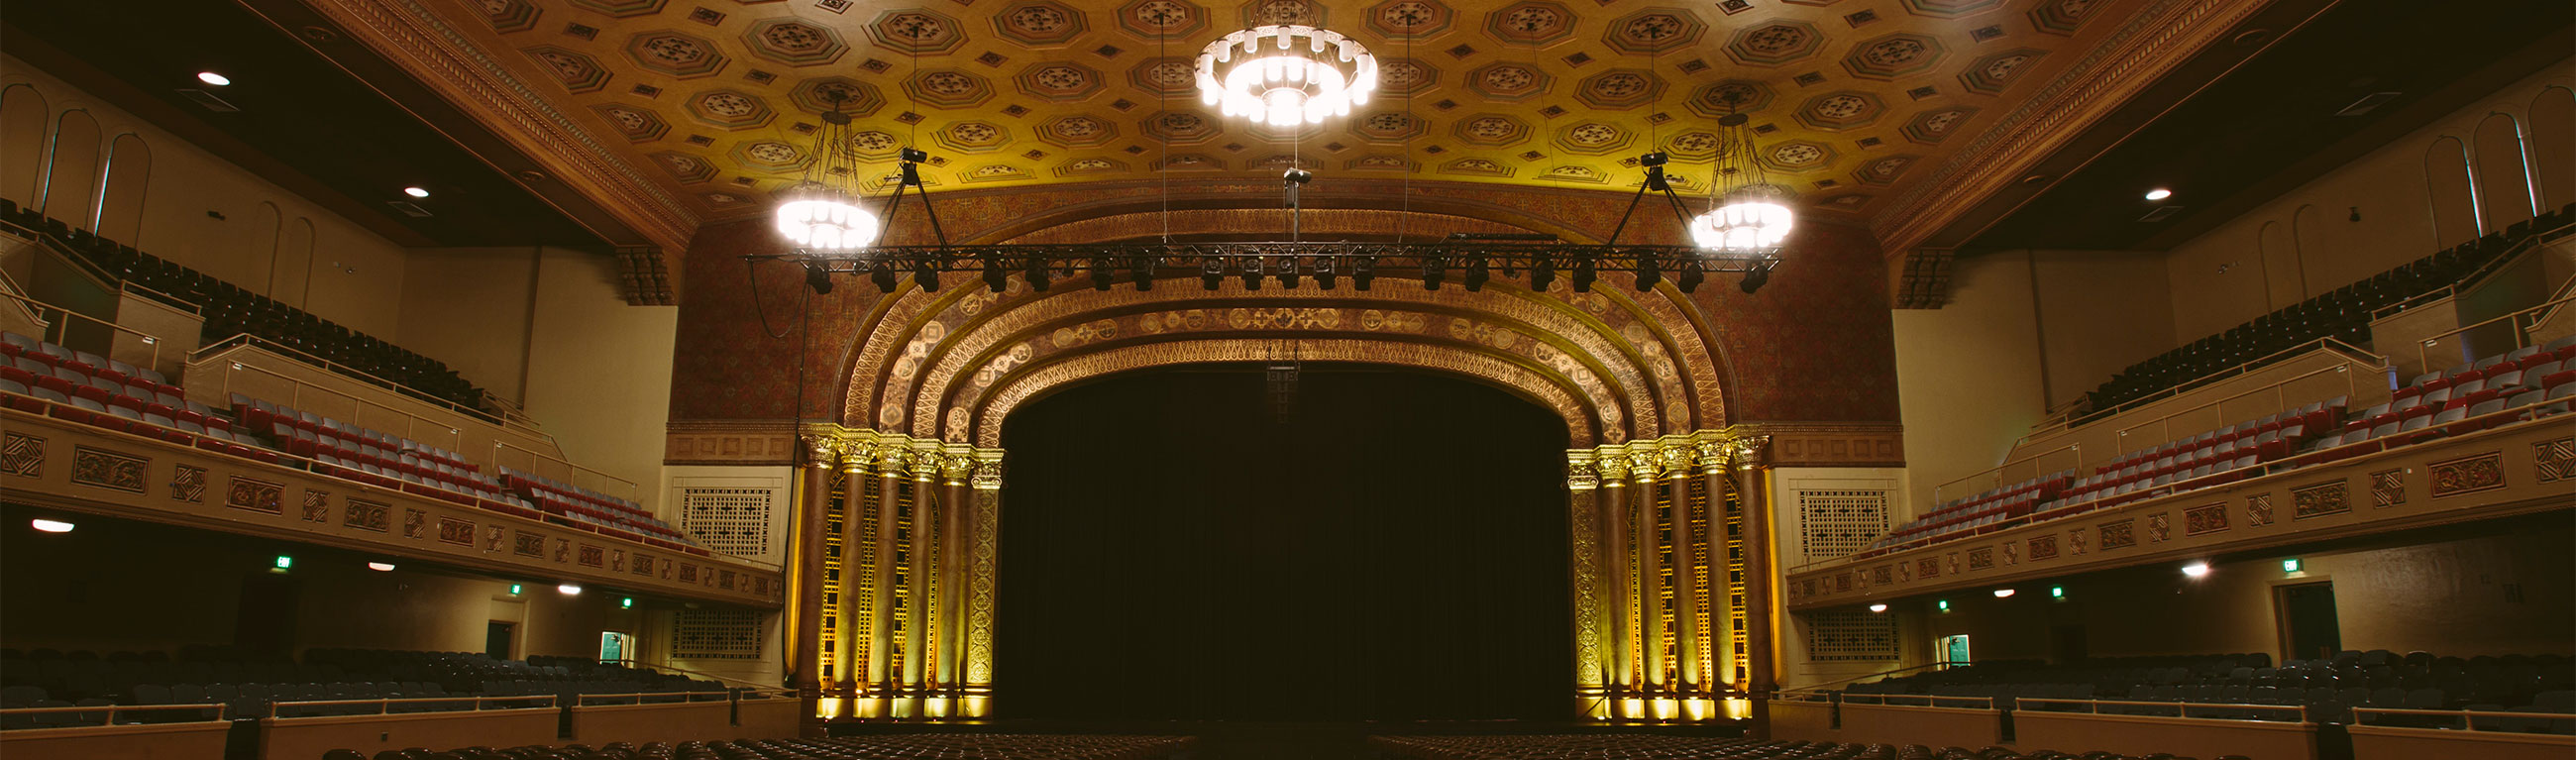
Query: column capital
x,y
1643,461
1675,453
956,463
855,453
1751,451
1613,460
988,470
1580,475
925,459
1714,455
821,451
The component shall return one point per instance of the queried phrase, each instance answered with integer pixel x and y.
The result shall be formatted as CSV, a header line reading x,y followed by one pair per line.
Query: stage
x,y
1264,740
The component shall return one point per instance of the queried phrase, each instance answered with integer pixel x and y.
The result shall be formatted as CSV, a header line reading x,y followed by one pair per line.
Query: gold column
x,y
922,570
1649,548
956,463
1686,565
987,486
854,615
1591,615
1752,475
892,460
1615,564
805,586
1721,634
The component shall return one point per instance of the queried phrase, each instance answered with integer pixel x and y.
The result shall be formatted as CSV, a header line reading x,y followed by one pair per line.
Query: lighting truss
x,y
1470,262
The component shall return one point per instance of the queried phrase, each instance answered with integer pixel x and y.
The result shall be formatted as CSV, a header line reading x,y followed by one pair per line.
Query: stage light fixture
x,y
1100,274
926,275
1250,272
1690,278
1753,280
1211,274
819,279
1434,269
1363,272
1036,274
1648,273
996,278
1477,273
883,276
1542,273
1141,270
1584,274
1288,272
1324,275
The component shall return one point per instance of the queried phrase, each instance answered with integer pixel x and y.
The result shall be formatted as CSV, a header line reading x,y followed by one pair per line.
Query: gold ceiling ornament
x,y
1285,74
1747,214
821,211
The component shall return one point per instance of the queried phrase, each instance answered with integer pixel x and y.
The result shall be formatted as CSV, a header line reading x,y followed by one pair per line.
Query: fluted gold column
x,y
1713,461
1591,612
922,570
1753,490
805,584
1613,506
1643,465
853,615
1676,456
893,460
956,464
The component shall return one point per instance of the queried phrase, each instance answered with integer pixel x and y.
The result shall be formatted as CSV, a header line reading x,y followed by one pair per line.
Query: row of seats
x,y
38,377
586,505
1627,745
343,450
2344,314
1969,513
82,678
953,746
229,310
2321,691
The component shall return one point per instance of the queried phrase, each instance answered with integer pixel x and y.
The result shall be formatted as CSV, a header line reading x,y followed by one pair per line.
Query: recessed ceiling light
x,y
50,526
1878,608
569,588
2003,593
213,78
380,567
416,192
2159,194
2196,569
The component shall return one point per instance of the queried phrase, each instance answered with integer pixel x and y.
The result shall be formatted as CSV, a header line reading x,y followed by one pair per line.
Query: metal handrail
x,y
687,697
2476,277
2183,709
2521,333
92,270
746,685
291,352
385,703
1928,700
220,710
56,327
633,491
2280,398
2067,421
2468,718
1880,674
1998,469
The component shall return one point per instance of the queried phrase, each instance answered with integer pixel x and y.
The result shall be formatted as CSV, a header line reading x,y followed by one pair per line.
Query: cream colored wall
x,y
268,240
545,327
2025,332
2304,244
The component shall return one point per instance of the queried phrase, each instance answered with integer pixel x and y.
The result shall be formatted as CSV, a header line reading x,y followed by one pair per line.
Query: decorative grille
x,y
716,635
1850,636
730,520
1836,524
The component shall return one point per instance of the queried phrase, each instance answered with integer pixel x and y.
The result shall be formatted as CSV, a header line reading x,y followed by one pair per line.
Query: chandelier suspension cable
x,y
1163,110
1404,215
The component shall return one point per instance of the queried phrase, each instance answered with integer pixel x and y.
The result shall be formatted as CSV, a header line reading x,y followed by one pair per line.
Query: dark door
x,y
265,626
496,639
2308,625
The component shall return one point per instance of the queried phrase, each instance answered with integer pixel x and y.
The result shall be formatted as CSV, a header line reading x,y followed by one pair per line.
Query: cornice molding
x,y
416,40
2155,41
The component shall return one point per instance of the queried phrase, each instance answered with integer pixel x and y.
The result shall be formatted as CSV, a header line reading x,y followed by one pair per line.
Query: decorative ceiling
x,y
715,99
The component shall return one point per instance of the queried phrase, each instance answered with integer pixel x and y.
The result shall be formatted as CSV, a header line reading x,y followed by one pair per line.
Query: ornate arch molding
x,y
1323,224
989,409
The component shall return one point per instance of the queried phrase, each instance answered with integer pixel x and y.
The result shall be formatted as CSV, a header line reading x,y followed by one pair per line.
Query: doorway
x,y
2308,626
497,637
1951,651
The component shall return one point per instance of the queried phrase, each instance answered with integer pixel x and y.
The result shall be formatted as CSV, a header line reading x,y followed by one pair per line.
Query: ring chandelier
x,y
1282,74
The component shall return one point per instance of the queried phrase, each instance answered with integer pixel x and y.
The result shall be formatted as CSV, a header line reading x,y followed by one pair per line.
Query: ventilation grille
x,y
715,635
1850,636
730,520
1836,524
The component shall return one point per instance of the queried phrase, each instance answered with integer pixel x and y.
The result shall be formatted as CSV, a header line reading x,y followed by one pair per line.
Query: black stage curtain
x,y
1391,547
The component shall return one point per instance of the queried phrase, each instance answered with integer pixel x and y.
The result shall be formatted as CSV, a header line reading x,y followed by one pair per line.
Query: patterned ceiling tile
x,y
773,155
1397,77
1847,202
1989,75
1593,138
1061,82
948,88
1839,111
1774,44
1696,144
1949,8
993,173
1537,23
1162,19
1930,127
1655,30
730,109
916,31
637,124
1491,129
1894,55
1182,127
972,136
1881,172
1190,162
688,169
1082,166
1410,19
620,8
1174,77
850,96
1620,89
1476,166
1077,131
874,143
1267,12
1388,127
1283,162
2063,17
578,72
1508,81
1575,173
1040,23
1380,163
675,54
794,42
1727,96
510,15
1797,155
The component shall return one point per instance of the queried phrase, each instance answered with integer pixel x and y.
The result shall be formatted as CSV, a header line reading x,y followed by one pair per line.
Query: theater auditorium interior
x,y
1288,380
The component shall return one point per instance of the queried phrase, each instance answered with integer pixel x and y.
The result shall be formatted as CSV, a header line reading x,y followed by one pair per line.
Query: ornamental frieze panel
x,y
2469,474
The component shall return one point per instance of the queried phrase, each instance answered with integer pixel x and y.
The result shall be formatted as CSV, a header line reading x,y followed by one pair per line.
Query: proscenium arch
x,y
1484,370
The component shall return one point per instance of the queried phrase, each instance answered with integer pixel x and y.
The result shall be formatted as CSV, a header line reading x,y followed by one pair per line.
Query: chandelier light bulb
x,y
820,220
1284,83
1749,222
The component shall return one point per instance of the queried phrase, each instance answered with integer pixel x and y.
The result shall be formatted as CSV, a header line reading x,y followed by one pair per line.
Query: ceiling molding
x,y
414,39
2152,43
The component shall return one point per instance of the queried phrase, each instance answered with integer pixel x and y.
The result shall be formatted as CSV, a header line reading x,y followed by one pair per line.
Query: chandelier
x,y
1747,214
821,212
1282,74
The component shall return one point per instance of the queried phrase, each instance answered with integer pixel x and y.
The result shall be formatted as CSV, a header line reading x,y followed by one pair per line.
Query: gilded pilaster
x,y
1714,462
1643,465
1688,564
853,614
1591,617
805,549
956,464
987,486
1751,457
919,657
892,460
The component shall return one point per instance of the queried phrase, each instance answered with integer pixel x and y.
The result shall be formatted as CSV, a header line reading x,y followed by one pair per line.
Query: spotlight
x,y
1656,158
1542,273
50,526
1878,608
996,279
1324,272
1298,176
1036,273
569,589
819,279
1584,275
1363,272
1251,272
1211,273
1434,269
1754,280
1100,273
416,192
213,78
2159,194
1477,272
883,276
913,156
926,275
1647,273
1141,269
381,567
2195,570
1288,272
1692,274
